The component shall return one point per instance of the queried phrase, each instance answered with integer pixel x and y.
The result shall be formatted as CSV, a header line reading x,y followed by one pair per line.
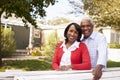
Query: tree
x,y
58,21
27,10
104,12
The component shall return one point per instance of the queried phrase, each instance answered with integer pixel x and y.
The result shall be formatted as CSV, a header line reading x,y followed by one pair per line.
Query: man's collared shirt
x,y
97,47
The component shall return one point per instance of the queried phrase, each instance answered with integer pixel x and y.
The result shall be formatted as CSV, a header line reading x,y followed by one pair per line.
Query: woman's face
x,y
72,34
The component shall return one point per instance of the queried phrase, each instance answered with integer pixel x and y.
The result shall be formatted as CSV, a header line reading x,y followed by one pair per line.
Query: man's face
x,y
86,27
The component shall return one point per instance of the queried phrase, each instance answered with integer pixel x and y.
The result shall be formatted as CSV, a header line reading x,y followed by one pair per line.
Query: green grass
x,y
34,65
113,64
27,65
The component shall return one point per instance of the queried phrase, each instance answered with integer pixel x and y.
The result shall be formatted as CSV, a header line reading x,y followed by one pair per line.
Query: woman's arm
x,y
86,63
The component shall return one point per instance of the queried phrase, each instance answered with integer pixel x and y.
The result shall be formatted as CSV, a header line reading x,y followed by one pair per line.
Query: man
x,y
97,46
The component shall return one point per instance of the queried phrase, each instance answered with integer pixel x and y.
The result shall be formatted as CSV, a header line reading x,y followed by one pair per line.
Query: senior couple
x,y
81,53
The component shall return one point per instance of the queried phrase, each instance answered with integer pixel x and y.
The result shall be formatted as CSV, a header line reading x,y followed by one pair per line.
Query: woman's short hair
x,y
77,27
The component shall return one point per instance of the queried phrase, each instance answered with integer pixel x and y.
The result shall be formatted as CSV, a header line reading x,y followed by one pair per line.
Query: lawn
x,y
34,65
27,65
111,64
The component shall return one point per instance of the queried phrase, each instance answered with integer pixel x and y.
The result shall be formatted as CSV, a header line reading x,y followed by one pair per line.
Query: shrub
x,y
114,45
49,47
7,42
36,51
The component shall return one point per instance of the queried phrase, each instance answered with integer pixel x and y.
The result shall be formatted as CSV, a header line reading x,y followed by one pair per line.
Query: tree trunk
x,y
0,41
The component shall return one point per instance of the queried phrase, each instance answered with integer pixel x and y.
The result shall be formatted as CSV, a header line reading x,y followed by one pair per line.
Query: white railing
x,y
109,74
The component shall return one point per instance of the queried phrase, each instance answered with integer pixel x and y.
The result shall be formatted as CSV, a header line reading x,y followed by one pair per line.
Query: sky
x,y
63,9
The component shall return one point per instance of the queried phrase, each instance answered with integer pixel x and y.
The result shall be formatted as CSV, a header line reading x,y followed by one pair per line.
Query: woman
x,y
71,54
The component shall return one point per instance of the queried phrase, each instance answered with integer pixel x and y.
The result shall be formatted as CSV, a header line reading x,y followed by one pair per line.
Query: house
x,y
111,34
26,37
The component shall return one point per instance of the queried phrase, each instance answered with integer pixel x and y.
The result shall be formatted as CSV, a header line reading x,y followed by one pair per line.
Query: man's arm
x,y
97,72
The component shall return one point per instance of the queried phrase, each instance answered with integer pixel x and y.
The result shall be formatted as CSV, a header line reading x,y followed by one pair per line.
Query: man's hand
x,y
97,72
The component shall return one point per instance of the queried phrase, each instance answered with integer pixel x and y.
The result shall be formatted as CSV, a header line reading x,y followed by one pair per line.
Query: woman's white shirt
x,y
66,58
